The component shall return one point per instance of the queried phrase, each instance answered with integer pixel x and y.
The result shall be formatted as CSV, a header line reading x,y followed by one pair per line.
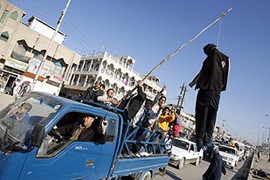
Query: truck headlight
x,y
230,159
174,157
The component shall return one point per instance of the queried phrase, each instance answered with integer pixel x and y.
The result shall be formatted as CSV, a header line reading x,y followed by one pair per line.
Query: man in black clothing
x,y
216,166
211,80
93,92
85,131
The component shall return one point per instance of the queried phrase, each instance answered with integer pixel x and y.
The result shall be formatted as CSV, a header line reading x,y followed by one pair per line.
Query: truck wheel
x,y
145,176
181,163
197,161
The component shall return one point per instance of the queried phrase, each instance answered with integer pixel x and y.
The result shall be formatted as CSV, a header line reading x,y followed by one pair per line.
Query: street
x,y
5,100
189,171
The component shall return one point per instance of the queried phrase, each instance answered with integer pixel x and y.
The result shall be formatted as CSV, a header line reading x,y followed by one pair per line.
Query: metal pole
x,y
180,96
49,46
178,49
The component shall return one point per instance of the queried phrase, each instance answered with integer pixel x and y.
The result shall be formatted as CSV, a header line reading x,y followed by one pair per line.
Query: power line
x,y
83,27
52,17
80,40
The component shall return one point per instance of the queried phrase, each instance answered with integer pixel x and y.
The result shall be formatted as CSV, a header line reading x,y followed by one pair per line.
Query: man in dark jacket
x,y
216,166
93,92
136,102
86,131
211,80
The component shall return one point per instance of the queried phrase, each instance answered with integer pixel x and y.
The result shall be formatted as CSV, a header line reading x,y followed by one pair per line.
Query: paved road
x,y
5,100
262,164
191,171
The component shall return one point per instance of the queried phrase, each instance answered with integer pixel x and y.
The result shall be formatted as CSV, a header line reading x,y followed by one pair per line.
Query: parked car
x,y
229,155
185,151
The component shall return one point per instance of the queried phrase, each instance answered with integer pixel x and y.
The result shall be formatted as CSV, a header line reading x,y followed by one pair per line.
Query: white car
x,y
229,155
184,151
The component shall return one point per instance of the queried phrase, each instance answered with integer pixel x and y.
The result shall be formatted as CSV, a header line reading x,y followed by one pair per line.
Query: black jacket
x,y
214,73
91,134
92,94
215,168
135,103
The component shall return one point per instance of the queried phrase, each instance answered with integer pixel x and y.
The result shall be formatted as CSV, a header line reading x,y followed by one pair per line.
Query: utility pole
x,y
181,97
267,138
223,127
49,46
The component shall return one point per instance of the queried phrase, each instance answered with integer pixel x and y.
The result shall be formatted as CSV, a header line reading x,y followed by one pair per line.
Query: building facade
x,y
22,49
115,72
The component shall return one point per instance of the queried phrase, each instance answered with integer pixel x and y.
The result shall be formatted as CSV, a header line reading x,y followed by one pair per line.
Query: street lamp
x,y
258,143
266,134
49,46
268,138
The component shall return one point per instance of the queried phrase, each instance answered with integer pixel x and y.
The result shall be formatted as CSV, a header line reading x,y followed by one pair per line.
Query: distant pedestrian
x,y
216,166
211,81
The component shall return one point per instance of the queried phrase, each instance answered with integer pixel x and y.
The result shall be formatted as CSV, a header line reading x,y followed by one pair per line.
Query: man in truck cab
x,y
85,131
90,129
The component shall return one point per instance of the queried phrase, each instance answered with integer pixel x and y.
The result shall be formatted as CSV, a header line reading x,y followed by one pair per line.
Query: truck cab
x,y
32,147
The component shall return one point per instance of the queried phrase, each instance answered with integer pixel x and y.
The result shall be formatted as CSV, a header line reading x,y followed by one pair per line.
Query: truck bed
x,y
132,165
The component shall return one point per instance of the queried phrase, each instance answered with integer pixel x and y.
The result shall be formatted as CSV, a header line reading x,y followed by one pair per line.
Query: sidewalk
x,y
5,100
261,164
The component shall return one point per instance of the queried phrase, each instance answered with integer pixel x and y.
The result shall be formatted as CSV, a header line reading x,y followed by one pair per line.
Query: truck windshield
x,y
20,117
181,144
227,150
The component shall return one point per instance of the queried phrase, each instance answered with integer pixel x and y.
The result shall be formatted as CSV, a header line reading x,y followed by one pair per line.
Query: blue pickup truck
x,y
32,148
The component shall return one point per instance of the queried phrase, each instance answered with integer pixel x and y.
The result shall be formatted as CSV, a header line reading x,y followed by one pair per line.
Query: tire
x,y
197,161
181,163
145,176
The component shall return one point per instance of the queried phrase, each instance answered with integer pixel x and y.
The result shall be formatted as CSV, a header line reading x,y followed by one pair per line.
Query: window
x,y
192,147
71,128
4,36
20,49
14,15
4,15
57,68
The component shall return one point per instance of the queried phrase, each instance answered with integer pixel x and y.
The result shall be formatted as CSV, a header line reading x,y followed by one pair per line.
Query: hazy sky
x,y
149,30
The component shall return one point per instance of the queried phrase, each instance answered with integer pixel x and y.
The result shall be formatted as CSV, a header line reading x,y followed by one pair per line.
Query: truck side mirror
x,y
37,135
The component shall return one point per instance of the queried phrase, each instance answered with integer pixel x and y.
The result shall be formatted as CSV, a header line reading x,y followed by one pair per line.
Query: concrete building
x,y
22,49
115,72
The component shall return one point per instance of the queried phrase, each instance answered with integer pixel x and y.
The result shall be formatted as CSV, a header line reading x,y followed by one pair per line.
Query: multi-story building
x,y
22,49
115,72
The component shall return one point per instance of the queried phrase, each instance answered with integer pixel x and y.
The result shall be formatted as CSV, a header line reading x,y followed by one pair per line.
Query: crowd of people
x,y
147,117
161,120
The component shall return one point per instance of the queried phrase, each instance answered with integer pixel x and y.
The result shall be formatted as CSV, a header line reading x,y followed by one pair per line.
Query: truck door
x,y
72,159
193,151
